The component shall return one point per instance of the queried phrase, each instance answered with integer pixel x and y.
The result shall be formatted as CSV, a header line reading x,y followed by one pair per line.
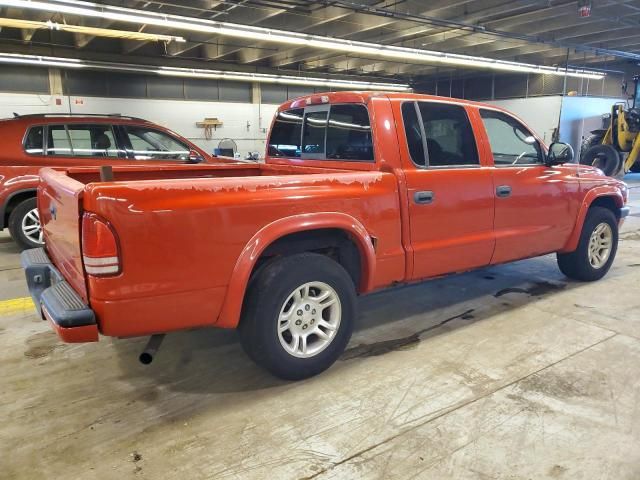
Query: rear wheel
x,y
24,224
298,315
596,248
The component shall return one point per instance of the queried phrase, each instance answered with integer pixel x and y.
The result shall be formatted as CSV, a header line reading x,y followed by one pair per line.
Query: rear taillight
x,y
100,253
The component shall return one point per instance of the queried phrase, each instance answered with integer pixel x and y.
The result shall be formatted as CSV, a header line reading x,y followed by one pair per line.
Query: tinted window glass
x,y
149,144
349,133
511,143
58,141
413,133
33,141
450,140
314,132
92,140
286,134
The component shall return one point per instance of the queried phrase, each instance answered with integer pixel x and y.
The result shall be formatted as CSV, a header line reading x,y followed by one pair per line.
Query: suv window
x,y
58,142
92,140
511,143
450,139
33,140
349,133
150,144
286,134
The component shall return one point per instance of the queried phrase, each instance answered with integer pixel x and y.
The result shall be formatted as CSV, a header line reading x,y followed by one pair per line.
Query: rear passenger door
x,y
451,203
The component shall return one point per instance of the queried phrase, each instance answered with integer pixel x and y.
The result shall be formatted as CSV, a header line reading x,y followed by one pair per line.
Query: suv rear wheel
x,y
24,224
298,315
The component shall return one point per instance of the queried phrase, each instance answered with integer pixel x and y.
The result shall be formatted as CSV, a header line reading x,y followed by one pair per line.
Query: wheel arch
x,y
306,232
606,196
13,199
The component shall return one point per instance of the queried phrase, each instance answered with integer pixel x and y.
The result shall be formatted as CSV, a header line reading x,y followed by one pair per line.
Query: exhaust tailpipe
x,y
146,357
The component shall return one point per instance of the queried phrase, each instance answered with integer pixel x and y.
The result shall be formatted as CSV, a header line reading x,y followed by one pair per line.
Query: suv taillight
x,y
100,253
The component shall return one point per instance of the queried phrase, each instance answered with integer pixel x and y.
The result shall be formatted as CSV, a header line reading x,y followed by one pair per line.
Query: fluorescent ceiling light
x,y
201,73
121,14
98,32
16,58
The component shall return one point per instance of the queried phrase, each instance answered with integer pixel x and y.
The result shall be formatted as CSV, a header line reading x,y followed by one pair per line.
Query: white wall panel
x,y
540,113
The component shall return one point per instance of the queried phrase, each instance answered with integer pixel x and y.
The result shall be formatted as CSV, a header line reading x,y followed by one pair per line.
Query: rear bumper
x,y
56,301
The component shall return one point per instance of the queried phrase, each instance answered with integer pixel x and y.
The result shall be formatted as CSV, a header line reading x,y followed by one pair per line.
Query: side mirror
x,y
194,157
559,153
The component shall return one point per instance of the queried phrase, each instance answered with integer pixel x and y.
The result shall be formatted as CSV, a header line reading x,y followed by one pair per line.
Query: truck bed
x,y
86,175
182,229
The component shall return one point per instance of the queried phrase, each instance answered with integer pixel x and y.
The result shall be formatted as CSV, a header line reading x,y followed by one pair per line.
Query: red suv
x,y
31,142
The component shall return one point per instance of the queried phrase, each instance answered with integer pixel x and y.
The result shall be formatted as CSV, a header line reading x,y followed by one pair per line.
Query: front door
x,y
536,205
450,193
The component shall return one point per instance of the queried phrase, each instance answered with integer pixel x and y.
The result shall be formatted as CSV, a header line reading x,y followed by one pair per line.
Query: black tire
x,y
268,291
576,265
589,141
15,224
604,157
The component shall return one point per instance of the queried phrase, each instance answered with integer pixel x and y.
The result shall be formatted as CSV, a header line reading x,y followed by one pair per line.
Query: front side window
x,y
150,144
58,142
449,137
349,133
33,140
511,143
92,140
314,133
286,134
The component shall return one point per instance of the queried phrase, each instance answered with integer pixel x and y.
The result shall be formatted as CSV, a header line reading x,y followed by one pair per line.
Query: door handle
x,y
423,197
503,191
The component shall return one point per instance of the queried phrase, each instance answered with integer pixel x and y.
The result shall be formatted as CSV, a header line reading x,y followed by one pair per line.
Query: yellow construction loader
x,y
615,148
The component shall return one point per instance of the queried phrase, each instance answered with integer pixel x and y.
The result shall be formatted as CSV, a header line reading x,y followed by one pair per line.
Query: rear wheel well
x,y
334,243
609,203
13,202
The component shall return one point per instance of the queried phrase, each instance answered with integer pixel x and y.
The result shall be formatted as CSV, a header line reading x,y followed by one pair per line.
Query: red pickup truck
x,y
31,142
360,191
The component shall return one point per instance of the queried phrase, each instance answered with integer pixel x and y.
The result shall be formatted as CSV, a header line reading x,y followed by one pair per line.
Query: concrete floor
x,y
455,378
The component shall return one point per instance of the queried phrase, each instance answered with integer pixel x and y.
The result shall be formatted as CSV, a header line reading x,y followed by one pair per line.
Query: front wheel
x,y
298,316
596,248
24,224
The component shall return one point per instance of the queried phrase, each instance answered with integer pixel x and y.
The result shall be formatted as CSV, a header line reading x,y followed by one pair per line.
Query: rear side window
x,y
450,139
349,133
92,140
413,134
34,140
150,144
286,134
58,142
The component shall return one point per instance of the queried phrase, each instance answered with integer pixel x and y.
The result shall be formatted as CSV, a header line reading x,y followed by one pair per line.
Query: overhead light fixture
x,y
201,73
121,14
98,32
39,60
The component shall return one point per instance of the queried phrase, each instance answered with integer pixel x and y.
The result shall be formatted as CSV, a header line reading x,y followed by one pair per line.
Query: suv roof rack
x,y
103,115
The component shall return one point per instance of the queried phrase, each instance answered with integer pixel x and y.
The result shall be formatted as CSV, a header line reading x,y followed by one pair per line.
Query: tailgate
x,y
59,204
